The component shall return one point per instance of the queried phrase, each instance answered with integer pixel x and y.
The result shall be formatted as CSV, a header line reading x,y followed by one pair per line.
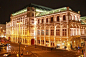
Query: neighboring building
x,y
2,30
44,26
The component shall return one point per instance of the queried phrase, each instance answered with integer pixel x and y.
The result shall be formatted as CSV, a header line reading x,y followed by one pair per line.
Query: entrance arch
x,y
32,41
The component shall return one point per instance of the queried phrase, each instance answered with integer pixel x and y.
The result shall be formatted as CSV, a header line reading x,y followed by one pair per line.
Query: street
x,y
39,51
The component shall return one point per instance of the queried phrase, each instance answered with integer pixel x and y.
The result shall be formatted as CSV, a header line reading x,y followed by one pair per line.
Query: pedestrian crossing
x,y
40,51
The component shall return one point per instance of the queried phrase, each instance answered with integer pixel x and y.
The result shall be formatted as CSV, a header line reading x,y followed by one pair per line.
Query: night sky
x,y
7,7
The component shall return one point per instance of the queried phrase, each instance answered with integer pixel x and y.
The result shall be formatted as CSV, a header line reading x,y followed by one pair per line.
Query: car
x,y
7,54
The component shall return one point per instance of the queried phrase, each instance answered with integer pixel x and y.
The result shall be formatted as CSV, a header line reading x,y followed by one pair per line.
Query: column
x,y
12,35
54,35
61,36
40,35
36,35
49,32
24,40
49,38
73,31
22,35
68,42
79,30
44,35
76,30
17,33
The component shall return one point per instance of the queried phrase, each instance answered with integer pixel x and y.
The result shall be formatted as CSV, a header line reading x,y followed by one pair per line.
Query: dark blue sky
x,y
10,6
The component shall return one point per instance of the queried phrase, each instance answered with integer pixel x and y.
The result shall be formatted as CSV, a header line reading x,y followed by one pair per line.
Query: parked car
x,y
7,55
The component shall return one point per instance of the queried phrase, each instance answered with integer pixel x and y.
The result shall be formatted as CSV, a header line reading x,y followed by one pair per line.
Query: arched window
x,y
57,18
64,17
47,20
51,19
42,21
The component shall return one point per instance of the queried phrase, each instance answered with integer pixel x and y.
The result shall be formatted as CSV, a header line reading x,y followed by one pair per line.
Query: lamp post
x,y
19,38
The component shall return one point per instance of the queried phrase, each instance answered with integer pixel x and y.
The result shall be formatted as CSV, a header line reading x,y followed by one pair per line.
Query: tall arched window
x,y
57,18
51,19
42,21
47,20
64,17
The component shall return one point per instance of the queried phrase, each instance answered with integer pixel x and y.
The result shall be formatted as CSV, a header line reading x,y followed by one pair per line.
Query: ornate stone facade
x,y
53,29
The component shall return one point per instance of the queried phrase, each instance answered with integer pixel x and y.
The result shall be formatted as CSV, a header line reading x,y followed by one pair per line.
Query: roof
x,y
53,11
41,10
40,7
83,20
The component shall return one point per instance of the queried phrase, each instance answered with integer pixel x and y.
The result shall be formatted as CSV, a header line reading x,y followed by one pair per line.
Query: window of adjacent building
x,y
38,32
42,21
64,17
42,32
64,32
52,32
47,20
57,32
38,21
57,18
51,19
47,32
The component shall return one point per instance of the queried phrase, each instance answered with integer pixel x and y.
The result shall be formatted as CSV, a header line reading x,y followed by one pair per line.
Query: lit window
x,y
64,32
38,32
52,32
42,32
47,32
58,32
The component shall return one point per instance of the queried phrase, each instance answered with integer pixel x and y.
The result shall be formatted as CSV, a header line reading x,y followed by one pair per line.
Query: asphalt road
x,y
39,51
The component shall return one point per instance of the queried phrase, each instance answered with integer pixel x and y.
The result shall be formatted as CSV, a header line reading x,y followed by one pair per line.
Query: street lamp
x,y
19,37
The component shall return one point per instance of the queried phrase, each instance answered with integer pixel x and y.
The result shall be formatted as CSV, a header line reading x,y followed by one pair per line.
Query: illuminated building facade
x,y
2,30
45,26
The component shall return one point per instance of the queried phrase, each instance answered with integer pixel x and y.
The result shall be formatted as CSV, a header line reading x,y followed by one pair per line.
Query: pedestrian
x,y
65,47
82,51
51,49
